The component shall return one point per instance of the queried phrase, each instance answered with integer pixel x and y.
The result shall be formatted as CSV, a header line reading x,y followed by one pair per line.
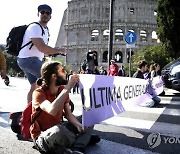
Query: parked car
x,y
171,74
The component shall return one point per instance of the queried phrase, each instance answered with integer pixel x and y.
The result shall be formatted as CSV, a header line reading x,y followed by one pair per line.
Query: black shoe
x,y
94,139
6,80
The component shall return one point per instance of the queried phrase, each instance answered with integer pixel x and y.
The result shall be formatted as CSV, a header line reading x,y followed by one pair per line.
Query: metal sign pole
x,y
110,32
130,39
130,62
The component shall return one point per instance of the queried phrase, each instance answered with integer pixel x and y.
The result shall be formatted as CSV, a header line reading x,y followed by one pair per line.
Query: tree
x,y
151,54
12,66
168,21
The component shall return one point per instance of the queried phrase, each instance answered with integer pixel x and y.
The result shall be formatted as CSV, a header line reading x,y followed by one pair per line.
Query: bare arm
x,y
72,119
39,43
54,107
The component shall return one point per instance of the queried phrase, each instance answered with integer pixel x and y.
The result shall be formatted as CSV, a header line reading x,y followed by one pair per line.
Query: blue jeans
x,y
31,67
156,100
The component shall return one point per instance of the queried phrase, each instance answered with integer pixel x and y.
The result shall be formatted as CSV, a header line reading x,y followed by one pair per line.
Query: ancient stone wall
x,y
86,23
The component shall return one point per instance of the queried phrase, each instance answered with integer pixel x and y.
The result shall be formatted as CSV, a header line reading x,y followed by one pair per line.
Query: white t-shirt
x,y
33,31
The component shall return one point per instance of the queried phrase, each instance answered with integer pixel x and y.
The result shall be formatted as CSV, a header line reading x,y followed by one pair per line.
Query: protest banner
x,y
106,96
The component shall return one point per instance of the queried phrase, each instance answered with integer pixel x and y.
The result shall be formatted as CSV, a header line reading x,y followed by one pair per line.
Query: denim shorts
x,y
31,66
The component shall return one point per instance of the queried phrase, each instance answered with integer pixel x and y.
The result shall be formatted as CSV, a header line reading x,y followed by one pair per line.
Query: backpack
x,y
15,39
21,121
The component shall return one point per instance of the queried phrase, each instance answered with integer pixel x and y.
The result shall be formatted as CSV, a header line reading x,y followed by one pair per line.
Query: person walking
x,y
113,68
51,99
30,57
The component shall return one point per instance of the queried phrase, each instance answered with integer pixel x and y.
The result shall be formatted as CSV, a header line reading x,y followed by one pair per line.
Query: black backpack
x,y
15,39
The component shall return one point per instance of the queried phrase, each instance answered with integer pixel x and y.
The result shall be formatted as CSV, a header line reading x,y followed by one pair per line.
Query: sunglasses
x,y
45,12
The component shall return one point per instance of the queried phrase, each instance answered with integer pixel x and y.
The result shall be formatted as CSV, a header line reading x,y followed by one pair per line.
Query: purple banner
x,y
106,96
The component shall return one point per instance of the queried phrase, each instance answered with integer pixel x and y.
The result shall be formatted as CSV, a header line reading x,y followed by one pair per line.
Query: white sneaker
x,y
147,104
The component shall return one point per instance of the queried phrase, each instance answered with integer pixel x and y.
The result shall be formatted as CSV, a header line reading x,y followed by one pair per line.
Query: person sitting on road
x,y
142,68
3,68
48,131
157,69
152,71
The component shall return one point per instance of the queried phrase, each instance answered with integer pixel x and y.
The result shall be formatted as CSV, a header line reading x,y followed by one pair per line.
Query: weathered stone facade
x,y
85,27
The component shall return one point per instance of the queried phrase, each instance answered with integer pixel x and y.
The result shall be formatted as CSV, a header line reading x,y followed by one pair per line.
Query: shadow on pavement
x,y
168,106
138,142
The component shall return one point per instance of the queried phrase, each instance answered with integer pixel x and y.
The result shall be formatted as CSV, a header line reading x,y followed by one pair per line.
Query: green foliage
x,y
151,54
66,67
12,66
168,20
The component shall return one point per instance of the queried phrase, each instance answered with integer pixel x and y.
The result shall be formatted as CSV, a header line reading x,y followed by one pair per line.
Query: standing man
x,y
51,99
113,68
121,71
30,57
91,61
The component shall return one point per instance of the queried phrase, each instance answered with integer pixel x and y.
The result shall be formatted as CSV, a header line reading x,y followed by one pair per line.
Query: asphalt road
x,y
128,132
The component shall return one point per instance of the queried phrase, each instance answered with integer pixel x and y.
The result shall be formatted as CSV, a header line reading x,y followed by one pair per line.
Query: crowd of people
x,y
144,71
49,93
50,86
92,68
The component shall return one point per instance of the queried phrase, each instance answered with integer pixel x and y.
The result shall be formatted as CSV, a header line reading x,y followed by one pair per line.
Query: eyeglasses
x,y
45,12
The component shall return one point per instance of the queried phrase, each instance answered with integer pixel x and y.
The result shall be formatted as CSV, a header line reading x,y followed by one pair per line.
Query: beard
x,y
61,81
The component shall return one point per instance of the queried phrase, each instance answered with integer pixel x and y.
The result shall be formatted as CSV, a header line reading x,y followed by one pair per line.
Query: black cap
x,y
44,6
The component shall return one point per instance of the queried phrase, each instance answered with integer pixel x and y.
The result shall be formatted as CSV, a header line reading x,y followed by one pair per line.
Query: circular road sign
x,y
130,37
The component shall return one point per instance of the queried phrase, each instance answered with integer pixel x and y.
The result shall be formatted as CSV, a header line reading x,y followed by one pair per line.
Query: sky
x,y
20,12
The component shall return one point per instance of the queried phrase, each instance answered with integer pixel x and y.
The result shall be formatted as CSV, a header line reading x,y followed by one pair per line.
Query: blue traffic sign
x,y
130,37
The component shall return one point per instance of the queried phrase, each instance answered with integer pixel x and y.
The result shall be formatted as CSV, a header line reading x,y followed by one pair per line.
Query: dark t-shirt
x,y
138,74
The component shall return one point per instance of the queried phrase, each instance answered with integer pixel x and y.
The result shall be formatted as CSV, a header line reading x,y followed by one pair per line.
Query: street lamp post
x,y
110,31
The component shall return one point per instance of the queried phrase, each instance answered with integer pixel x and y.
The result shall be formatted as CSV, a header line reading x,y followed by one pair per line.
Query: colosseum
x,y
85,27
